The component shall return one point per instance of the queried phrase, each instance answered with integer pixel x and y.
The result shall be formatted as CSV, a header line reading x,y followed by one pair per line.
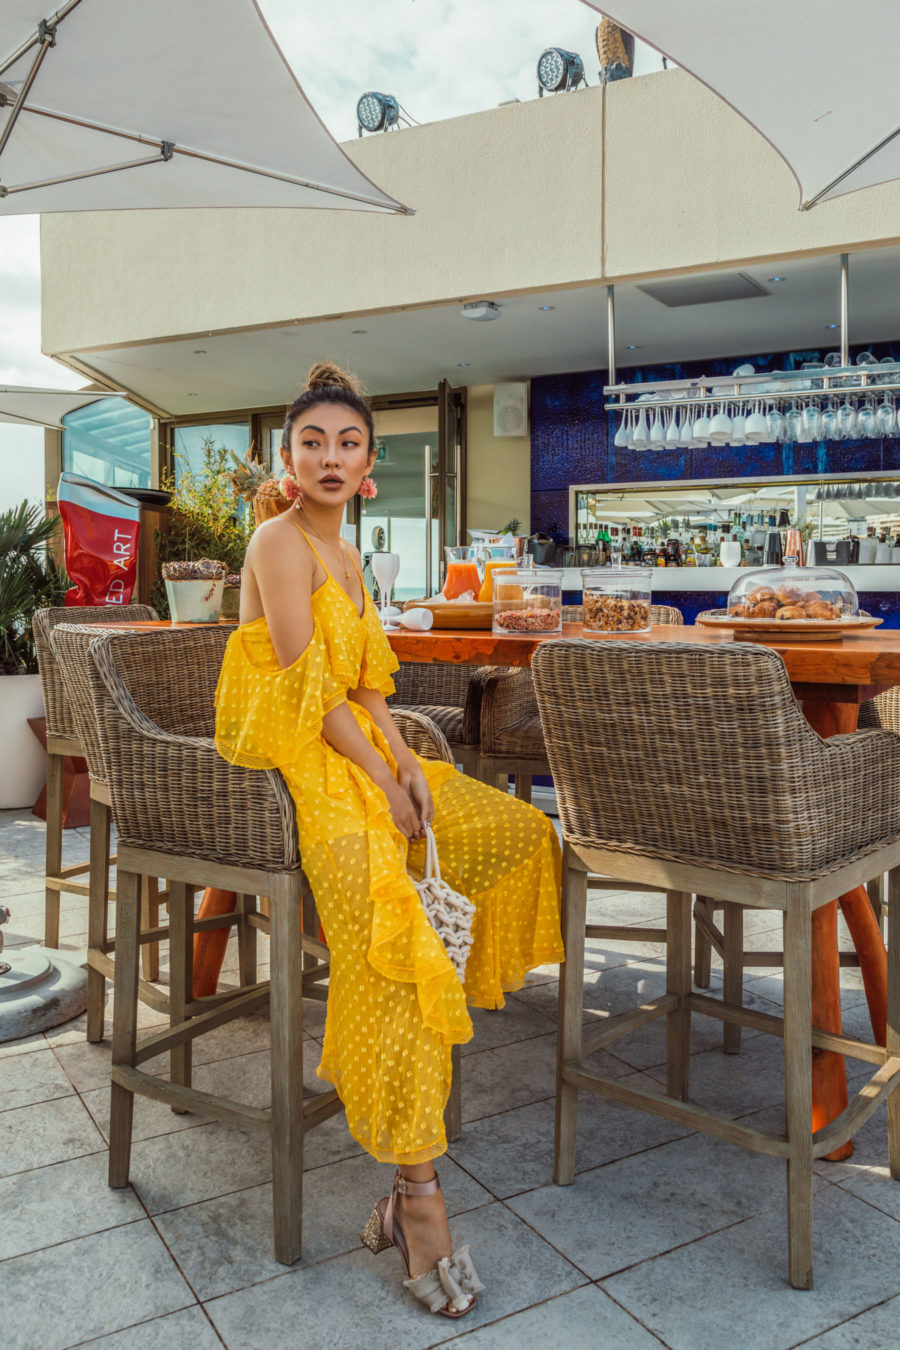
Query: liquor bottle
x,y
723,539
773,551
701,547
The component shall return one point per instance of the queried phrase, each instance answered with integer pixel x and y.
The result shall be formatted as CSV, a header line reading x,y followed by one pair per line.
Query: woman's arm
x,y
409,770
283,570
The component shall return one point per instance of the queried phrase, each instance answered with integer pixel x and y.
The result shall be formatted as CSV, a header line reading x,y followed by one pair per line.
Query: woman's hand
x,y
413,781
403,813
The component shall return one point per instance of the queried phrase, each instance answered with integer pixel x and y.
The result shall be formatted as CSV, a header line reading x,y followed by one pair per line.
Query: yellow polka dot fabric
x,y
395,1004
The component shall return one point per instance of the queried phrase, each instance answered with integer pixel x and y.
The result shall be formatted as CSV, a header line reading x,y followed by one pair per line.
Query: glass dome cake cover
x,y
793,593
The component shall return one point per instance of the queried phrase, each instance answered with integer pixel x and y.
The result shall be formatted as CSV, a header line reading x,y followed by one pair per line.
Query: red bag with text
x,y
101,528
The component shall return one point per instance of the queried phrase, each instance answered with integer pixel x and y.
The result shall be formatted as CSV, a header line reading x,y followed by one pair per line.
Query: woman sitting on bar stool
x,y
303,689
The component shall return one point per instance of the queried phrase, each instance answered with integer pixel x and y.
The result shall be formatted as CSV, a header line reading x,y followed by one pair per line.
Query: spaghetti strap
x,y
322,561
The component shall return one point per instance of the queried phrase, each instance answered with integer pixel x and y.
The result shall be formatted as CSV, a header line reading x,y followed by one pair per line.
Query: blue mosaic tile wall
x,y
572,438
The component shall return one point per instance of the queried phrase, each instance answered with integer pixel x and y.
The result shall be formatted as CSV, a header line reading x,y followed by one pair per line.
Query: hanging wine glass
x,y
830,422
867,423
886,416
847,420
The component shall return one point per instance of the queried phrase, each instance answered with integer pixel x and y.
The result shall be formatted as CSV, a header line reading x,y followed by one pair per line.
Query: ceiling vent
x,y
708,290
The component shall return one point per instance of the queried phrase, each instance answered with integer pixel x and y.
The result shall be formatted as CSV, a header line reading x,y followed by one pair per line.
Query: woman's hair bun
x,y
326,375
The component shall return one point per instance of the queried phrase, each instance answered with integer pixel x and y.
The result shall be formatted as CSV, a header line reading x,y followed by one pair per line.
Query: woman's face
x,y
329,452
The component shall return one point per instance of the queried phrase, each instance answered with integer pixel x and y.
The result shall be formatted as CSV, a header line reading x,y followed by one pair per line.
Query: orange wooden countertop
x,y
870,659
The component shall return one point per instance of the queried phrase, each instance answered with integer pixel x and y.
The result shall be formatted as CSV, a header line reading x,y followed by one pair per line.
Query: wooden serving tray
x,y
788,630
457,613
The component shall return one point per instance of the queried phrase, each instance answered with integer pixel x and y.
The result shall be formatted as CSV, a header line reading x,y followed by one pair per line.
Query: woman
x,y
303,689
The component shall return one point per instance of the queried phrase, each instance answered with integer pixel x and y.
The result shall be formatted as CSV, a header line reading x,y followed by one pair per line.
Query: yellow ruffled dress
x,y
395,1004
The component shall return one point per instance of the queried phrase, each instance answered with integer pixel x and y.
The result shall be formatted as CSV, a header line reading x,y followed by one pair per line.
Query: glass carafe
x,y
462,573
494,558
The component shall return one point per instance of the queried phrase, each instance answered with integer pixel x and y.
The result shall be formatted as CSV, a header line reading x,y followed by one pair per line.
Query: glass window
x,y
109,442
189,441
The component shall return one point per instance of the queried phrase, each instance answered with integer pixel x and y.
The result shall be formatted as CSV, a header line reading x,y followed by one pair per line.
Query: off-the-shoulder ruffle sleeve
x,y
378,660
265,715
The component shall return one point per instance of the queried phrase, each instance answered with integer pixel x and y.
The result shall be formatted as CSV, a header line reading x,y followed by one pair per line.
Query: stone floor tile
x,y
189,1329
513,1075
86,1063
23,1046
503,1026
357,1300
151,1118
854,1266
63,1201
214,1159
513,1152
876,1186
226,1244
876,1329
633,1209
586,1319
79,1290
735,1085
47,1132
37,1077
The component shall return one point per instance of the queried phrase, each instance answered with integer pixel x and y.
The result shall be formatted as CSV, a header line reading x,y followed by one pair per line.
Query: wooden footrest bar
x,y
625,1023
192,1099
237,1005
774,1026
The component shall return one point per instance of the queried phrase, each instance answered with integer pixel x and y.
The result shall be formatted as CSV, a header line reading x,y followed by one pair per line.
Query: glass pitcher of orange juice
x,y
494,557
462,572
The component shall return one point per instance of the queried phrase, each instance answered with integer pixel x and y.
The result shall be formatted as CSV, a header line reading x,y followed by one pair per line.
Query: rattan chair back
x,y
435,683
60,719
658,614
882,711
649,745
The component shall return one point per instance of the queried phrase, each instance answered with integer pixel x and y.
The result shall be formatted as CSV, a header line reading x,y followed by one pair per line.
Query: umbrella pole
x,y
845,309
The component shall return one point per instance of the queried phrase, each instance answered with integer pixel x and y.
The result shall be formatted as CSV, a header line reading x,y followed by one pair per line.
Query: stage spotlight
x,y
377,112
559,69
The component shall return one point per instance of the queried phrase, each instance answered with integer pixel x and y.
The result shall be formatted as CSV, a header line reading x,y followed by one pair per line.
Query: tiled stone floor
x,y
666,1237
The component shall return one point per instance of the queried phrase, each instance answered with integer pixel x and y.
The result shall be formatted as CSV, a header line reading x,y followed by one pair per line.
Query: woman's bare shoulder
x,y
277,541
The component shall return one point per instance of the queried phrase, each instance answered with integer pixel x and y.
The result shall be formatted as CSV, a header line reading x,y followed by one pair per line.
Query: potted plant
x,y
30,578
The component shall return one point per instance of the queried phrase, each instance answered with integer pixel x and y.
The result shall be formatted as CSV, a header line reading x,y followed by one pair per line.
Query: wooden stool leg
x,y
453,1109
53,864
246,936
98,917
181,976
892,1040
798,1084
733,961
286,1012
569,1027
124,1035
523,786
678,982
309,922
150,919
702,944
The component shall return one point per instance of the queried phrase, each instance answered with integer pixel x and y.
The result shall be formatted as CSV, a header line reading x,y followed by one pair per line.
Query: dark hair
x,y
327,383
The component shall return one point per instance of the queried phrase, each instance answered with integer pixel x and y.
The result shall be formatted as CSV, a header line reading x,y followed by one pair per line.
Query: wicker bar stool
x,y
512,742
450,696
182,811
882,711
63,739
827,818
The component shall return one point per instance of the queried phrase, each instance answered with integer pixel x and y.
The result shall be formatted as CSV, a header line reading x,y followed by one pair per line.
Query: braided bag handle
x,y
449,913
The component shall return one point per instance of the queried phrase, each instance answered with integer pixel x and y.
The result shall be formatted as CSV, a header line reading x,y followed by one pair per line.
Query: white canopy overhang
x,y
123,104
22,406
825,98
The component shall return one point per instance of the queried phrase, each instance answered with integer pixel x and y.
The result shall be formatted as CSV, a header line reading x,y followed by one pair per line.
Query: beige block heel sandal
x,y
450,1288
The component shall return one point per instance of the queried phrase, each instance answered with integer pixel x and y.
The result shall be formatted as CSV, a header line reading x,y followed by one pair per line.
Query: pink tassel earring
x,y
368,487
290,488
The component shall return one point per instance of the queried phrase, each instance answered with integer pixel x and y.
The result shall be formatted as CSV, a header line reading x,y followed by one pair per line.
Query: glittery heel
x,y
373,1235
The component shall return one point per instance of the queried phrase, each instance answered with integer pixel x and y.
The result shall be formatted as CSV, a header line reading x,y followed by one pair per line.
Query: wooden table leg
x,y
829,1071
209,946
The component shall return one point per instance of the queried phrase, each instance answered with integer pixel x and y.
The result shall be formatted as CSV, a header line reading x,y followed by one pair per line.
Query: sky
x,y
440,58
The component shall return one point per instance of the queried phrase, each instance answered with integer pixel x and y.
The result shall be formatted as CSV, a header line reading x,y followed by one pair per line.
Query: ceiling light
x,y
192,395
559,69
377,112
634,347
778,278
199,351
547,307
481,310
464,363
832,325
358,332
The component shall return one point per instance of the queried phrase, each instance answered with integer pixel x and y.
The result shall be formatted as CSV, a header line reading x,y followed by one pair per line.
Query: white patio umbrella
x,y
23,406
124,104
817,78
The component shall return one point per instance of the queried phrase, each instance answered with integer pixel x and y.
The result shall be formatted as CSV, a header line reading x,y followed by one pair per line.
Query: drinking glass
x,y
830,422
811,422
867,422
720,427
657,431
756,428
641,437
385,570
700,432
774,424
626,427
847,420
793,424
673,432
886,416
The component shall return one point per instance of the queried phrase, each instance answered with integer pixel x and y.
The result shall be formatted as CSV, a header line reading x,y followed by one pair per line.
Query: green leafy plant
x,y
511,526
30,578
205,519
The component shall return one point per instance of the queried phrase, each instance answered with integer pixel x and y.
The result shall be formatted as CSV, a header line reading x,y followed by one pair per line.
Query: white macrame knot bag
x,y
449,913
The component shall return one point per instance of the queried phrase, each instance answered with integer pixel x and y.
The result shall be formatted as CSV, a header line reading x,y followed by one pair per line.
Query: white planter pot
x,y
195,601
24,761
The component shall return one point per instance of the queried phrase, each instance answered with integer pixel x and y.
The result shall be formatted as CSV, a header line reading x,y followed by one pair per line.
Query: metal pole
x,y
845,309
611,332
